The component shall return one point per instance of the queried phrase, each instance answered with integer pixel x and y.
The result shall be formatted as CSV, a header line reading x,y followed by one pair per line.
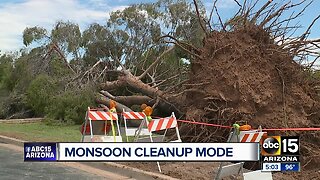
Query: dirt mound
x,y
243,75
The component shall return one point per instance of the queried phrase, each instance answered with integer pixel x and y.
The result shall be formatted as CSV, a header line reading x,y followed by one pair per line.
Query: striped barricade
x,y
247,136
164,124
132,131
101,116
98,115
134,115
252,137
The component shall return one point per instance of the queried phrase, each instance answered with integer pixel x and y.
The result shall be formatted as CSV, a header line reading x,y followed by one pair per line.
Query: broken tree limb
x,y
140,86
104,106
164,105
130,100
106,93
106,101
120,108
110,85
57,49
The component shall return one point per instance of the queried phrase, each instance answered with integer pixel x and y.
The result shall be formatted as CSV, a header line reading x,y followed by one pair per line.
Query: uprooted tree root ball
x,y
244,75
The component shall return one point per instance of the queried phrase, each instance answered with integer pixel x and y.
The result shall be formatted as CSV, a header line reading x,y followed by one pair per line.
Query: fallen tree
x,y
152,95
250,68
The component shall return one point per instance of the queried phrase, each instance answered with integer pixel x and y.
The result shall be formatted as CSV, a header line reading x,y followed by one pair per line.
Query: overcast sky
x,y
16,15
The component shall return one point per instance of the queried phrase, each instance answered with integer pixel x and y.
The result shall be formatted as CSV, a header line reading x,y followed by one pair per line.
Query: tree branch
x,y
220,20
100,99
56,48
159,58
257,14
304,35
185,49
109,85
200,19
129,100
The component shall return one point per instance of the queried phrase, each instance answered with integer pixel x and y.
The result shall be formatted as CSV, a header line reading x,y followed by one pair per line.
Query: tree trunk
x,y
120,107
130,100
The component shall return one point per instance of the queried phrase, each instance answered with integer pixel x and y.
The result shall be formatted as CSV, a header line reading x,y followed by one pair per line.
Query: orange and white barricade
x,y
156,125
164,124
132,131
96,115
250,136
247,136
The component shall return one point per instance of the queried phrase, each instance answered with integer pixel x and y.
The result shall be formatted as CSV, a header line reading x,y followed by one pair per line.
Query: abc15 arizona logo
x,y
280,145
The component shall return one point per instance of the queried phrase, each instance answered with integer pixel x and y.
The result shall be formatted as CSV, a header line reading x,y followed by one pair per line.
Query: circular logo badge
x,y
270,145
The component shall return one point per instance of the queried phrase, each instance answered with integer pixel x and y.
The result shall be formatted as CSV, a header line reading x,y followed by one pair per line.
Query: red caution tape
x,y
199,123
206,124
267,129
293,129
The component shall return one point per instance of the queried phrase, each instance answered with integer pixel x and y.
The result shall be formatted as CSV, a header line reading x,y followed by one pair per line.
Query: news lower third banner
x,y
141,152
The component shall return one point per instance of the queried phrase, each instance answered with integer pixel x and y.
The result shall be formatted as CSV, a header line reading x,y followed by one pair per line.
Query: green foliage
x,y
38,77
57,68
21,75
70,107
12,104
33,34
60,108
95,40
4,110
6,68
174,17
67,34
12,101
40,93
316,74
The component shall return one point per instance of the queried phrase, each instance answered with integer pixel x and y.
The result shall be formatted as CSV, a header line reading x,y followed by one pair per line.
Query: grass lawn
x,y
39,131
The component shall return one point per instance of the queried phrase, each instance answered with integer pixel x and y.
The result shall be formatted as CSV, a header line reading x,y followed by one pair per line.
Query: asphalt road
x,y
13,167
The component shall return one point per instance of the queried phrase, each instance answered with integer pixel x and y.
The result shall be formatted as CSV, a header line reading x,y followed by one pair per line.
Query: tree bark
x,y
120,107
140,86
100,99
130,100
110,85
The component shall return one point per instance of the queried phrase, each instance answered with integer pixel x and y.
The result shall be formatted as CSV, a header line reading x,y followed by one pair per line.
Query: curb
x,y
19,142
11,140
21,121
156,175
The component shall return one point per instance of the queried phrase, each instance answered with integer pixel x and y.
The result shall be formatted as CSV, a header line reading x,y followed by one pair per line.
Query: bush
x,y
40,93
6,71
69,107
14,106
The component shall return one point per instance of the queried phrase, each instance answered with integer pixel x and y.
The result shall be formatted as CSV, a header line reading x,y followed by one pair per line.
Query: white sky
x,y
15,17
